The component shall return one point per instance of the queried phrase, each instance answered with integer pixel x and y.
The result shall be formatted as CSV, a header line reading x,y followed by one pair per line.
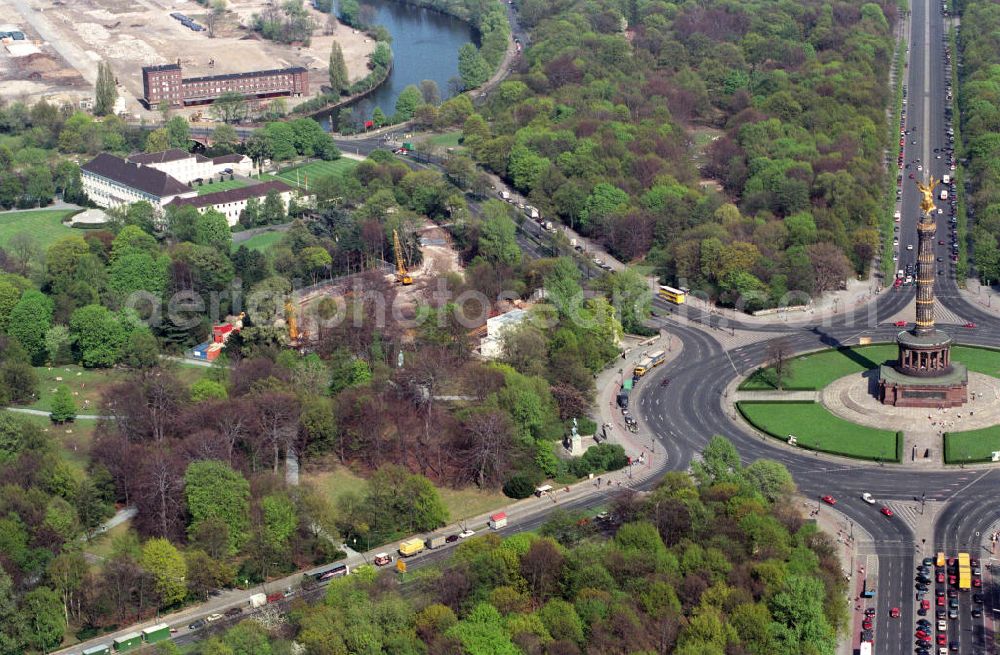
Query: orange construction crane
x,y
290,321
402,275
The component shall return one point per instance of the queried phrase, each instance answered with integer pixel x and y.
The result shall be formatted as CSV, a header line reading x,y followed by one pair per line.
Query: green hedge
x,y
815,428
971,446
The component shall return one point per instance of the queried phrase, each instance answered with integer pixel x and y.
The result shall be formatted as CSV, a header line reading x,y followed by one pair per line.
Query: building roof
x,y
234,158
148,180
174,154
232,76
233,195
161,67
497,323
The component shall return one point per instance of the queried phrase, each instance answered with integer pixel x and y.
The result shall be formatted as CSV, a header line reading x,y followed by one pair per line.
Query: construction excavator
x,y
402,275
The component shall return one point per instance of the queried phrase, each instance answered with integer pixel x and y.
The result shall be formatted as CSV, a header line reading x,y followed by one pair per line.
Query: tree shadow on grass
x,y
847,351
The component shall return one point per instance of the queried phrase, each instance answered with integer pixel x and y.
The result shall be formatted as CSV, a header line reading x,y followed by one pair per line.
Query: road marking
x,y
978,478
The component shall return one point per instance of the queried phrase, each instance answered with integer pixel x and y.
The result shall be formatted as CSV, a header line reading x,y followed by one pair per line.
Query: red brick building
x,y
165,83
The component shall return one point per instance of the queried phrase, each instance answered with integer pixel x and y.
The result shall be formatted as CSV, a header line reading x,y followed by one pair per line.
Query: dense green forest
x,y
979,137
717,564
624,115
182,446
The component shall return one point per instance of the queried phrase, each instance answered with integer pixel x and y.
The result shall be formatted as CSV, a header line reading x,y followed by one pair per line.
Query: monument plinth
x,y
924,375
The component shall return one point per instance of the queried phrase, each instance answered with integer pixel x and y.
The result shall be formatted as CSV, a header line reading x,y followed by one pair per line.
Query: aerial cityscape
x,y
499,327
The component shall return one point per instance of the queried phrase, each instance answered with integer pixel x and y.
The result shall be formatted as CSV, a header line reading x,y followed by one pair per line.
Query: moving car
x,y
900,323
829,500
196,625
894,612
213,617
885,510
867,497
465,534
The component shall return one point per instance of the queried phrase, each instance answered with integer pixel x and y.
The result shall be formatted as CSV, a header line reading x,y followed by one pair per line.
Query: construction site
x,y
63,42
411,285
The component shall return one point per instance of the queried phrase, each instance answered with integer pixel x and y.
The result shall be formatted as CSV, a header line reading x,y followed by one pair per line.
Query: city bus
x,y
964,572
672,295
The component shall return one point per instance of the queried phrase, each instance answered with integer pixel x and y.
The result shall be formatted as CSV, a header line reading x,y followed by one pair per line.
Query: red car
x,y
885,510
900,323
969,325
922,635
976,582
829,500
894,612
866,624
940,577
942,639
940,601
924,605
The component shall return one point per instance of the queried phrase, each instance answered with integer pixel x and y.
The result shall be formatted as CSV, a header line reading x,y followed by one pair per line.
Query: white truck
x,y
258,600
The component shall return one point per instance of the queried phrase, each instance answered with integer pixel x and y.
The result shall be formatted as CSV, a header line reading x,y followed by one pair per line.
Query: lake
x,y
425,46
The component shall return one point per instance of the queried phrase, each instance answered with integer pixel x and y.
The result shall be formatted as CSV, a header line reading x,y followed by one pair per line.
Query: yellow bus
x,y
675,296
964,572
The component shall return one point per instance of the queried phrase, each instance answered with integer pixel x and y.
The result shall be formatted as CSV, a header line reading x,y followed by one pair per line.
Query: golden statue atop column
x,y
927,204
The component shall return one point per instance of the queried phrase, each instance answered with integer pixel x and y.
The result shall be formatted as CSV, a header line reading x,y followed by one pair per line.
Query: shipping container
x,y
437,541
127,642
498,520
156,633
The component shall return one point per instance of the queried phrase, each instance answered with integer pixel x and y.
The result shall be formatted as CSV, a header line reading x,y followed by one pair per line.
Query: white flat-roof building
x,y
491,346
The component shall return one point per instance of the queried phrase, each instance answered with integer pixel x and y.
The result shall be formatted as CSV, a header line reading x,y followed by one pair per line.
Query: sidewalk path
x,y
56,205
41,412
986,298
851,540
609,381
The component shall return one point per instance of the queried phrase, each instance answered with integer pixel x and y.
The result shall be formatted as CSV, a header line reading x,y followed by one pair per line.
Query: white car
x,y
213,617
867,497
909,246
465,534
